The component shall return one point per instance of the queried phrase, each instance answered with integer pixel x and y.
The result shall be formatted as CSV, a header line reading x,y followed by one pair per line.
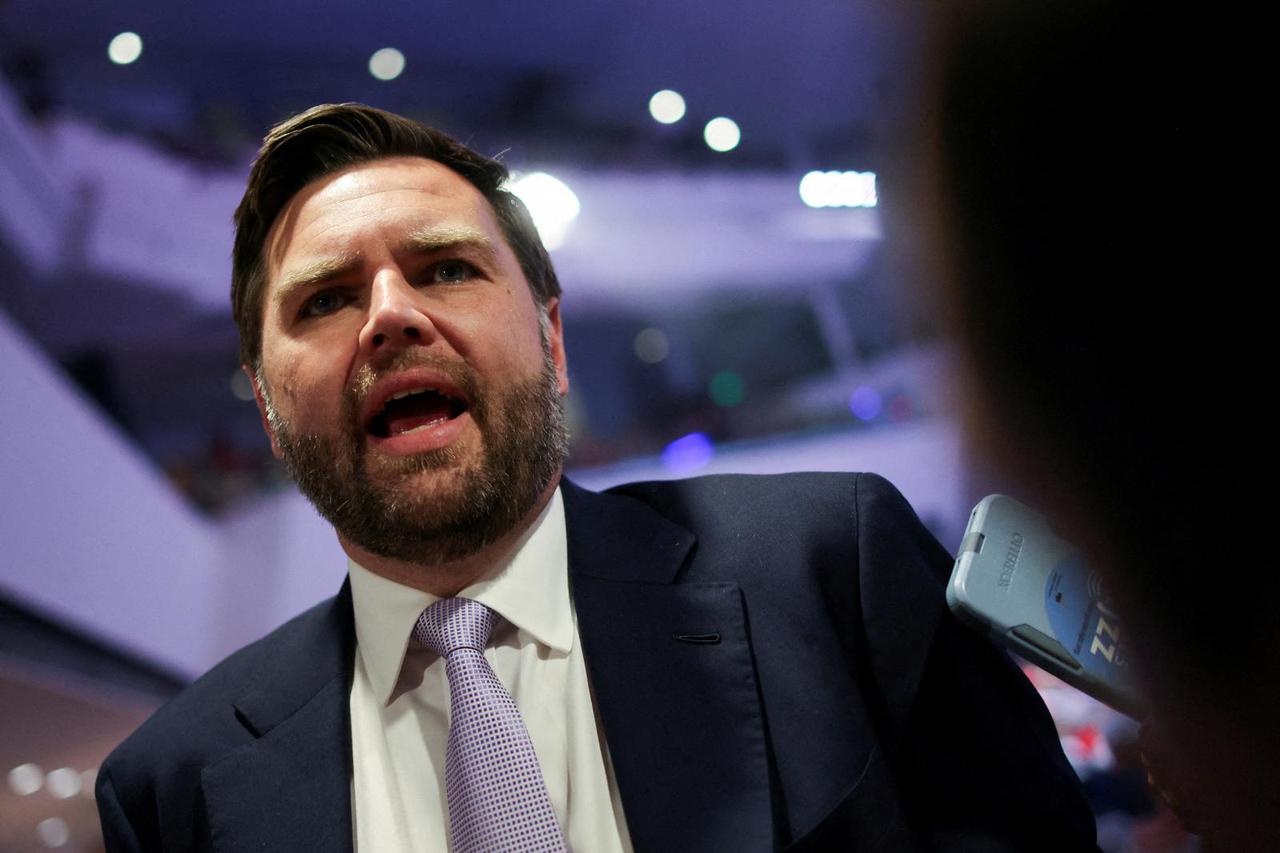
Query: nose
x,y
395,320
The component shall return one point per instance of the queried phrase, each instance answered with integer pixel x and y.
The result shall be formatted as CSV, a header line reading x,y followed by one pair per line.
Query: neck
x,y
448,579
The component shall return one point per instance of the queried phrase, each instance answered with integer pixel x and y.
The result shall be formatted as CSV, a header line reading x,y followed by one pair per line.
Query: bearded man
x,y
727,663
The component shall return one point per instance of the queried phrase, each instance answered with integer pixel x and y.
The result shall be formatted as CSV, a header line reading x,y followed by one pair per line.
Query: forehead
x,y
332,214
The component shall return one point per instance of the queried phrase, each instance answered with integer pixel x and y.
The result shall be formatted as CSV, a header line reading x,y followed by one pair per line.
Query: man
x,y
719,664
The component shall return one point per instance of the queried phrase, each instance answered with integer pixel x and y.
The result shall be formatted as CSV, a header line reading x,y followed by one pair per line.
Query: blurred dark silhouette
x,y
1094,173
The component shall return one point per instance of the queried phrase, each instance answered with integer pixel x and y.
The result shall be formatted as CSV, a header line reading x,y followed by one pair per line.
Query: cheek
x,y
517,346
523,331
299,386
496,334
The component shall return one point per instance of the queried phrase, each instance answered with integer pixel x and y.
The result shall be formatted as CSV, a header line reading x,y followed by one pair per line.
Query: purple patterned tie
x,y
497,799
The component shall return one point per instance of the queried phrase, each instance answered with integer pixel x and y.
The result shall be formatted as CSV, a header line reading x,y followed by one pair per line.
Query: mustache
x,y
367,375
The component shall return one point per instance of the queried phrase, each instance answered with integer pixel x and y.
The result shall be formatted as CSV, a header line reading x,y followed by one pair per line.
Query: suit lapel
x,y
671,669
674,680
290,788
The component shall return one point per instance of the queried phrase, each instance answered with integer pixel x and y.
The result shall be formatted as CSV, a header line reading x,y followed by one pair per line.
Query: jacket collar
x,y
297,708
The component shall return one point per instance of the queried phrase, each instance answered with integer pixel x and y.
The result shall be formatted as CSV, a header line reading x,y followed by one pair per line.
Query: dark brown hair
x,y
332,137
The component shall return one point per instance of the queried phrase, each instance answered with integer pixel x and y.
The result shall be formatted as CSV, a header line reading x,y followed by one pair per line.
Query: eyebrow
x,y
316,273
442,238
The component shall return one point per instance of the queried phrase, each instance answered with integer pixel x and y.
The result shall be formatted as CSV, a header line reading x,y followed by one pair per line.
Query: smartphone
x,y
1033,593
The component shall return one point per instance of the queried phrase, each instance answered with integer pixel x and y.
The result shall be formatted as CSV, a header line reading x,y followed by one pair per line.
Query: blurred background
x,y
710,178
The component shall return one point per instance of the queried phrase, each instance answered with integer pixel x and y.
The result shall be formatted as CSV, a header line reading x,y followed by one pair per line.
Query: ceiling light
x,y
667,106
551,203
125,48
386,64
722,134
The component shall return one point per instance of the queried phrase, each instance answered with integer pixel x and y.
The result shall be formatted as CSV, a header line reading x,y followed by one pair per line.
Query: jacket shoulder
x,y
824,509
161,762
799,494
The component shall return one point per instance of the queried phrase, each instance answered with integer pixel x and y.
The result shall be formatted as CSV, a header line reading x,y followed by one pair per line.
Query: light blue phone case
x,y
1033,593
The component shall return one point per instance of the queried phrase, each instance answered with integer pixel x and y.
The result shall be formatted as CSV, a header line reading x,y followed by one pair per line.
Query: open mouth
x,y
409,411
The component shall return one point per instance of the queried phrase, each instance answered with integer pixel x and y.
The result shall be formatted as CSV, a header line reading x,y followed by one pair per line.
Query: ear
x,y
261,400
555,339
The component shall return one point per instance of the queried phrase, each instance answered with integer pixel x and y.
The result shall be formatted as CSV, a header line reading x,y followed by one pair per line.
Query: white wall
x,y
93,536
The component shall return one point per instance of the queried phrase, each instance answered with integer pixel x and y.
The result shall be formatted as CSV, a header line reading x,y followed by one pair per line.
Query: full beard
x,y
377,503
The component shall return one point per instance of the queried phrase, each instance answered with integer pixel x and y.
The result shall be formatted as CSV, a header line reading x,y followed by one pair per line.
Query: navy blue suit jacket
x,y
774,666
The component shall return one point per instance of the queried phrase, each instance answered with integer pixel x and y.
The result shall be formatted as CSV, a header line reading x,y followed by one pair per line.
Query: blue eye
x,y
324,302
449,271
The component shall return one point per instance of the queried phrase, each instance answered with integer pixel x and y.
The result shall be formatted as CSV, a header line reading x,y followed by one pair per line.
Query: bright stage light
x,y
667,106
722,134
386,64
813,189
551,203
839,189
125,48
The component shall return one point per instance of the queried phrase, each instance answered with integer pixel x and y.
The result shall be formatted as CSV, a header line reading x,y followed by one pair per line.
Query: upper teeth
x,y
413,391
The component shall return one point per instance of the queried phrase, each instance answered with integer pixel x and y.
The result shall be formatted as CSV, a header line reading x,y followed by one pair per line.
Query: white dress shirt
x,y
400,702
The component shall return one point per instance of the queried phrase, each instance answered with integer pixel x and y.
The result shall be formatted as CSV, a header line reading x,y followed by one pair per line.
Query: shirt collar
x,y
529,588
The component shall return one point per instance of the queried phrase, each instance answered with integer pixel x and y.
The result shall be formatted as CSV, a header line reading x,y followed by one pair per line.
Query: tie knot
x,y
455,623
